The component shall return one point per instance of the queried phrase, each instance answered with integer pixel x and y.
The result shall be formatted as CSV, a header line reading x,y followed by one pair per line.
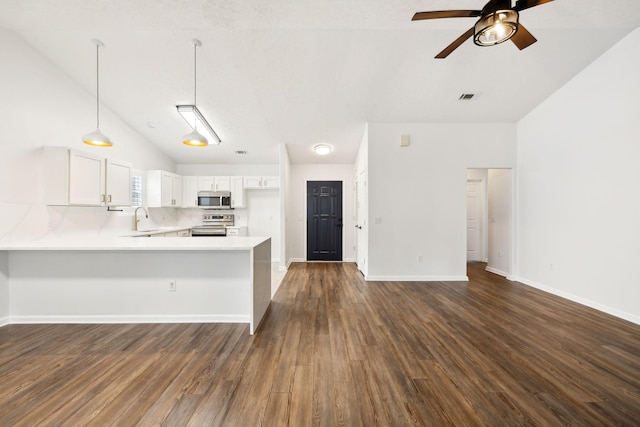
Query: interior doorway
x,y
324,221
490,218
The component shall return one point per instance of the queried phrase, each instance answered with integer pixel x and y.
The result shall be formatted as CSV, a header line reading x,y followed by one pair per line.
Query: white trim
x,y
416,278
292,260
496,271
583,301
349,260
203,318
4,321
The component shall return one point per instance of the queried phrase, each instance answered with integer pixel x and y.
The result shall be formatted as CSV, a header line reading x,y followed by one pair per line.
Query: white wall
x,y
300,174
227,169
40,105
417,194
285,198
578,212
4,288
500,191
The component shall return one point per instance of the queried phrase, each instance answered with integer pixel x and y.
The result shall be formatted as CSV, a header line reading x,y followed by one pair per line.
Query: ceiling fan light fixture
x,y
495,27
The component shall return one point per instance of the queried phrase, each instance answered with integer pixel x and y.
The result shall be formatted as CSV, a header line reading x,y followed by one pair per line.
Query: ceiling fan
x,y
498,23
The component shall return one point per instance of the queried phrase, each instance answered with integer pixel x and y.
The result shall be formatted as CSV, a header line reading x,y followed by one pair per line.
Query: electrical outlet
x,y
172,286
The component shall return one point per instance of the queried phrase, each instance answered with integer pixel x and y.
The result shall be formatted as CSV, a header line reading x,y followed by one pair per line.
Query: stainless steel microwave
x,y
214,199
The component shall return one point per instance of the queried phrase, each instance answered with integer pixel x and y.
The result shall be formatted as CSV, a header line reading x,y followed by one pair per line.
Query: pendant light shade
x,y
195,139
97,138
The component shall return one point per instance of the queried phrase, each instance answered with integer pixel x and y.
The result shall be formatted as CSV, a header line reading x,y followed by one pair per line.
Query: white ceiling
x,y
303,72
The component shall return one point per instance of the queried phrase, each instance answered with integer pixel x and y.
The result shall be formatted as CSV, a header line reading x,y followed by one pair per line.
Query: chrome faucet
x,y
135,214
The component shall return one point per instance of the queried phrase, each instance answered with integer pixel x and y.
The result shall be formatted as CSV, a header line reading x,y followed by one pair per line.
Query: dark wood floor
x,y
336,350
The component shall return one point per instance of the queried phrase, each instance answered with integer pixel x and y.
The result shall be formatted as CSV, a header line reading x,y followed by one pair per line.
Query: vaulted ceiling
x,y
300,72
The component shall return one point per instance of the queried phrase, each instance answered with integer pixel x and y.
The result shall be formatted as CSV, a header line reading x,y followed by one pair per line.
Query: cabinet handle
x,y
102,198
109,198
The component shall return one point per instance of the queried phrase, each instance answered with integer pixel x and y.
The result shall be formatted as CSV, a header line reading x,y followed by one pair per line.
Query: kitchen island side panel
x,y
261,289
129,286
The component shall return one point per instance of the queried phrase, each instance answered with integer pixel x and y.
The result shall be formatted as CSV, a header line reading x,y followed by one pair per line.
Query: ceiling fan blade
x,y
523,38
438,14
526,4
456,44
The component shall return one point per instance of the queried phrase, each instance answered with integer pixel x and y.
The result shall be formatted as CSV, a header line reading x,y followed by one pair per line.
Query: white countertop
x,y
138,244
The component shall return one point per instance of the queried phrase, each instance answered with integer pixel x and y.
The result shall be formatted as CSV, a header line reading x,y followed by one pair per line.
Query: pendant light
x,y
195,138
97,138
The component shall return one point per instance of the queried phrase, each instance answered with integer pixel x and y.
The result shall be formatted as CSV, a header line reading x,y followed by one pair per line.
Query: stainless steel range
x,y
213,225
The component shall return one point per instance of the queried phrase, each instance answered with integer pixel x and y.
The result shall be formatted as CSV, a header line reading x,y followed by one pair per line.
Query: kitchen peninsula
x,y
138,280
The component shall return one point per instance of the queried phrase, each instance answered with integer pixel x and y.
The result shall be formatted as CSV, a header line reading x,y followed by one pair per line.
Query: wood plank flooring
x,y
335,350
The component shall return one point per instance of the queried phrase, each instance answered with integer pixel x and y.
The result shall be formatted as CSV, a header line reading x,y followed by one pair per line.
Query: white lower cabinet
x,y
236,231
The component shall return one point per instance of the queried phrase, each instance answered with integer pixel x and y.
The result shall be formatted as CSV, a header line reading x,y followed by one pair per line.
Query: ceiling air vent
x,y
241,151
466,96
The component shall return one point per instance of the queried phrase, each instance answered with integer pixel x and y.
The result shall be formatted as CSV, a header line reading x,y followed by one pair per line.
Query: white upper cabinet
x,y
118,183
164,189
205,183
214,183
189,191
261,182
221,183
238,198
76,178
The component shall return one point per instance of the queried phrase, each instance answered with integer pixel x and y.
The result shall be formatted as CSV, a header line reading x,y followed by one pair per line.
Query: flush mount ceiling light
x,y
202,131
97,138
322,149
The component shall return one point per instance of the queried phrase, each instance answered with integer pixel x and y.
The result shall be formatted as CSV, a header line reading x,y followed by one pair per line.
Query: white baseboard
x,y
132,319
292,260
416,278
584,301
4,321
349,260
496,271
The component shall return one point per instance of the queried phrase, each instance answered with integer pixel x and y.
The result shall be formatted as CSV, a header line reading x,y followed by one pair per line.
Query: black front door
x,y
324,221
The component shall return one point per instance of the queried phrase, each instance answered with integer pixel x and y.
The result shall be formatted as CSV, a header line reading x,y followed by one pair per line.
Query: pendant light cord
x,y
97,86
195,72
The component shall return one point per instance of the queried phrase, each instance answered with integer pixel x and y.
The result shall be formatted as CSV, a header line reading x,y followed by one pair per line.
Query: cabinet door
x,y
221,183
165,188
270,182
251,182
189,191
205,183
118,177
176,190
86,179
237,192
